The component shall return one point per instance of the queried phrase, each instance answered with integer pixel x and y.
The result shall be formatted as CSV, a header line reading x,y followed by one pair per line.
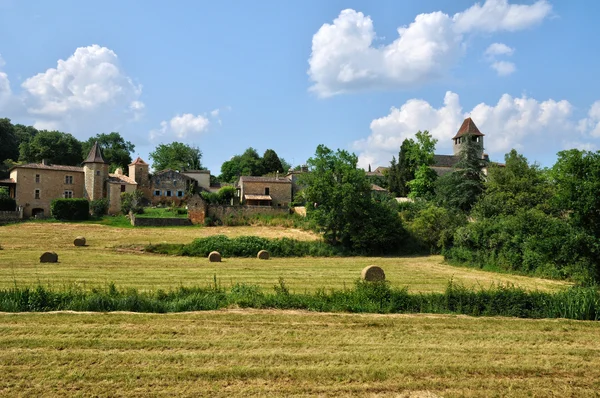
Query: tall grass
x,y
364,297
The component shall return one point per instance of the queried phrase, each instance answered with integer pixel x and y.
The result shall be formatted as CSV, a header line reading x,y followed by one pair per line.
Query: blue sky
x,y
291,75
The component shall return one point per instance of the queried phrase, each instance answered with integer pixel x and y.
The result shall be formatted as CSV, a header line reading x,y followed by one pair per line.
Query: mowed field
x,y
102,262
287,353
248,352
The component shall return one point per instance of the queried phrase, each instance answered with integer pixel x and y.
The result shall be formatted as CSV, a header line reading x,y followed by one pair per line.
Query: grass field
x,y
284,353
100,263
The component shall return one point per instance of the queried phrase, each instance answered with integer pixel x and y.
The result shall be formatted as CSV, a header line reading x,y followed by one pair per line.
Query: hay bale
x,y
263,255
79,241
49,257
214,257
372,273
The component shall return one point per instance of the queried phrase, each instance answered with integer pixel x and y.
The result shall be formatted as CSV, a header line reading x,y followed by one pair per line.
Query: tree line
x,y
26,144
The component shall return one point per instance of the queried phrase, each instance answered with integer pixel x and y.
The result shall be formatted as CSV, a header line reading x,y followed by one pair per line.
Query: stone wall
x,y
197,208
159,222
169,186
9,216
280,191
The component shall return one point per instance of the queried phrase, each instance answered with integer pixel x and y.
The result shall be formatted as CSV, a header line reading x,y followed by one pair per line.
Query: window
x,y
37,178
68,194
179,194
266,191
68,179
157,192
174,183
97,172
37,193
123,188
168,193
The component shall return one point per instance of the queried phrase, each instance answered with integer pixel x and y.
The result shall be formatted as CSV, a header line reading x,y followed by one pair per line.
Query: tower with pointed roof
x,y
139,171
95,170
466,130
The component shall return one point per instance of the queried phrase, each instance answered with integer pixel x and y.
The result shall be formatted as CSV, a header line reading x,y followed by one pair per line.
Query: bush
x,y
7,204
133,202
99,207
70,209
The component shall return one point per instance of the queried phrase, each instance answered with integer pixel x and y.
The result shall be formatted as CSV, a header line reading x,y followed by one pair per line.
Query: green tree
x,y
271,162
9,149
340,204
517,185
577,178
54,146
247,164
116,151
176,156
423,185
461,188
413,154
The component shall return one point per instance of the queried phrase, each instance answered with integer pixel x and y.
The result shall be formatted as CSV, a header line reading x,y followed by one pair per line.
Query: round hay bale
x,y
79,241
372,273
214,257
263,255
49,257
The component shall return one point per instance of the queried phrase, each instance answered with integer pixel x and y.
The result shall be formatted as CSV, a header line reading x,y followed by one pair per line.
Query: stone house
x,y
265,191
170,186
35,185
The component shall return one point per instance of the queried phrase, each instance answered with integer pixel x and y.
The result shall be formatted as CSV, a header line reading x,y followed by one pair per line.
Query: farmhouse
x,y
265,191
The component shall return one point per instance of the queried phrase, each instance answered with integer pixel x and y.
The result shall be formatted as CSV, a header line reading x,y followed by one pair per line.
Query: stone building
x,y
139,171
265,191
170,186
35,185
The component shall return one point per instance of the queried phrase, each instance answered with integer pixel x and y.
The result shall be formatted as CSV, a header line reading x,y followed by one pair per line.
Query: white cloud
x,y
86,93
591,124
181,127
511,123
498,49
214,113
503,68
344,59
497,15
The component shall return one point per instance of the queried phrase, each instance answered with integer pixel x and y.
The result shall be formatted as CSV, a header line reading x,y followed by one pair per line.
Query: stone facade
x,y
139,172
202,177
265,191
96,175
170,186
38,184
199,210
118,184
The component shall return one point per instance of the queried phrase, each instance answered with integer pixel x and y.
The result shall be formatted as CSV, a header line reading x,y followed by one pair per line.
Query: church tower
x,y
139,171
95,170
467,129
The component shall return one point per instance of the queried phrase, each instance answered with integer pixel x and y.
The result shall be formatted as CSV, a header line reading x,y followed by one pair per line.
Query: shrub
x,y
99,207
7,204
132,202
70,209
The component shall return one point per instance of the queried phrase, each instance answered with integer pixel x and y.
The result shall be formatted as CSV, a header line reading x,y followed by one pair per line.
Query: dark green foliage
x,y
116,151
413,154
132,202
176,156
7,204
223,196
70,209
434,227
247,164
54,146
271,162
99,207
364,297
460,189
9,148
340,204
247,246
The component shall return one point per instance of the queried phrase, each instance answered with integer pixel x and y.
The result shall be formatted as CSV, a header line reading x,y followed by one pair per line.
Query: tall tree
x,y
116,151
340,203
271,162
53,146
247,164
176,156
577,178
413,154
9,148
461,188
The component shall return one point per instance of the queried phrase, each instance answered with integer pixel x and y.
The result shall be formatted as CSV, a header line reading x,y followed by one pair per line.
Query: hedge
x,y
7,204
70,209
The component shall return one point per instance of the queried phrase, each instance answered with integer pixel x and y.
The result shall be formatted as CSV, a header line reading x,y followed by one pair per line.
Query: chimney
x,y
45,162
277,176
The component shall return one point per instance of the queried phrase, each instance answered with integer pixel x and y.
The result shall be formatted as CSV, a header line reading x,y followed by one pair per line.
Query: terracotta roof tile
x,y
468,127
138,161
95,155
120,178
48,167
265,179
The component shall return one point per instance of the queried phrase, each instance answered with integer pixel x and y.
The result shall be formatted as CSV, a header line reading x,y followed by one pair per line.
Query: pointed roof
x,y
138,161
95,155
468,128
